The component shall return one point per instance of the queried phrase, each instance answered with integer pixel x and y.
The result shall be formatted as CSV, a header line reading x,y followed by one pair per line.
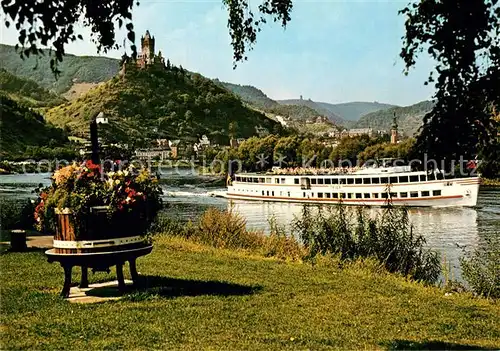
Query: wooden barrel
x,y
98,234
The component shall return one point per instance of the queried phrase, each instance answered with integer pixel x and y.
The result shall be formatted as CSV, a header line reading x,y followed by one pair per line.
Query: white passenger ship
x,y
366,186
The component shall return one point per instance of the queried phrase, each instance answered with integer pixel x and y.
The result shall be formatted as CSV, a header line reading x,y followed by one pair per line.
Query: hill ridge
x,y
410,118
156,102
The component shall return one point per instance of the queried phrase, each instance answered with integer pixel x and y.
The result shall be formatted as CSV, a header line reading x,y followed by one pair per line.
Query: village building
x,y
149,154
361,131
394,131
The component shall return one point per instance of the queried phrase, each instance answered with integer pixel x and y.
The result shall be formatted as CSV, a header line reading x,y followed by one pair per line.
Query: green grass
x,y
201,297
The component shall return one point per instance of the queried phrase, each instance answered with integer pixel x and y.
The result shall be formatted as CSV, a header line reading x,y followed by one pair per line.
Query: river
x,y
448,230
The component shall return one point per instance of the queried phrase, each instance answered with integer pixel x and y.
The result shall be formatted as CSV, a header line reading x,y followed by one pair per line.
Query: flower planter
x,y
99,234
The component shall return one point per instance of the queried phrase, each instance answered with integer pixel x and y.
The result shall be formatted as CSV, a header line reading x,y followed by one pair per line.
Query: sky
x,y
331,51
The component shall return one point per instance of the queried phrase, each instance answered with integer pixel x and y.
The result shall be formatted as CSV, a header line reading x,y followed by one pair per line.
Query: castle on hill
x,y
147,56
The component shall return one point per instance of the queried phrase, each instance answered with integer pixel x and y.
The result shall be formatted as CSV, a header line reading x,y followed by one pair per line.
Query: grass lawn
x,y
200,297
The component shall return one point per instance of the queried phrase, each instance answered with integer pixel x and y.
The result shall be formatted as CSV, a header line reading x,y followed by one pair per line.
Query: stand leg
x,y
67,281
119,276
84,283
133,272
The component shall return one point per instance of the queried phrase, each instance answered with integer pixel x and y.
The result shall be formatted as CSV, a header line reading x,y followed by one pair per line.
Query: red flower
x,y
92,166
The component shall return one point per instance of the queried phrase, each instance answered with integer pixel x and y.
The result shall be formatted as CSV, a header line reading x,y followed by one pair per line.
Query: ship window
x,y
262,180
262,192
359,180
405,194
304,194
320,181
268,180
394,180
277,180
425,193
288,194
343,181
238,179
394,195
335,180
436,193
366,195
375,180
423,178
320,195
336,195
313,180
375,195
328,195
255,180
328,181
384,196
296,181
350,181
384,180
431,176
283,180
342,195
413,193
272,193
403,179
359,195
414,178
349,195
367,181
268,193
312,194
439,176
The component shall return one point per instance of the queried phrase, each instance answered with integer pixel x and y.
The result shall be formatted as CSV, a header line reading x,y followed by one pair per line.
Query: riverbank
x,y
202,297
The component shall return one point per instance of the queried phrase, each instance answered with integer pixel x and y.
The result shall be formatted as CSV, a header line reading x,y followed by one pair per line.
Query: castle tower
x,y
394,130
148,48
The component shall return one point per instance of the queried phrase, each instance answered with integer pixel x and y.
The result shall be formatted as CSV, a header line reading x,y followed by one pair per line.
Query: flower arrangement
x,y
130,199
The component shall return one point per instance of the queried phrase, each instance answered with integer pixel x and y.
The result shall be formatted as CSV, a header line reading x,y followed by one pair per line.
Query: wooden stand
x,y
98,261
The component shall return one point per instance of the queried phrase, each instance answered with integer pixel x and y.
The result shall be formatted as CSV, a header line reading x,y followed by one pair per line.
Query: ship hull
x,y
437,193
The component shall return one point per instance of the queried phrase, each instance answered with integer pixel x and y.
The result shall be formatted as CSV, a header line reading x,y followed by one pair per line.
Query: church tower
x,y
148,48
394,130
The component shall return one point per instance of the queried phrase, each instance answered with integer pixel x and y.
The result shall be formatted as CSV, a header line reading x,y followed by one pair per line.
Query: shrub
x,y
389,238
481,269
227,229
16,214
281,245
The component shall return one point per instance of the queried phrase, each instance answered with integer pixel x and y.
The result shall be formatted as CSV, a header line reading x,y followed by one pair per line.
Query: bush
x,y
281,245
481,269
16,214
227,229
389,238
